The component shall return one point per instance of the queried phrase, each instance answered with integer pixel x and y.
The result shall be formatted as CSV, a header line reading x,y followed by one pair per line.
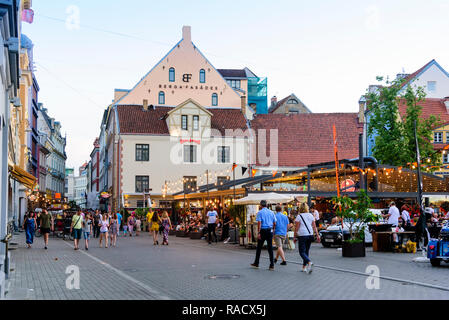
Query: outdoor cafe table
x,y
382,241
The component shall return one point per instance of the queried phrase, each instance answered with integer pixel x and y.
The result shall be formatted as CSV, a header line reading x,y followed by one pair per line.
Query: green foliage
x,y
141,212
395,139
355,214
237,212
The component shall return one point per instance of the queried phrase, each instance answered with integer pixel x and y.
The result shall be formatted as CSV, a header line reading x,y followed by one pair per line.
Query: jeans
x,y
210,230
304,243
265,235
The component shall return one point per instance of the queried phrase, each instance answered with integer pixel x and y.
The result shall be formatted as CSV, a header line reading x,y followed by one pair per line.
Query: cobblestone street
x,y
184,270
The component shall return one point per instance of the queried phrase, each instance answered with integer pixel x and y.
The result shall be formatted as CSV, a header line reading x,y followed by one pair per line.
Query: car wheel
x,y
435,262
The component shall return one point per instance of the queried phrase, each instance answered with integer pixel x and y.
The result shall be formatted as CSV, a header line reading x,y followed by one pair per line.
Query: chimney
x,y
362,103
243,104
145,105
186,33
274,100
446,103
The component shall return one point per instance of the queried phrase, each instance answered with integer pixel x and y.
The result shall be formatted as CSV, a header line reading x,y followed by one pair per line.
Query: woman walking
x,y
87,229
138,224
113,227
131,223
47,225
30,226
304,228
166,223
155,220
104,225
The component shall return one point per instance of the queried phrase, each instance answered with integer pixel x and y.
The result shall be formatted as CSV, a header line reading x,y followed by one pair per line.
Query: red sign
x,y
347,185
190,140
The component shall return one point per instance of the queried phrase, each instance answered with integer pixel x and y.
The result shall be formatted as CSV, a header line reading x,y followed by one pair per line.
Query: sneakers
x,y
283,263
271,268
255,265
275,261
309,267
303,269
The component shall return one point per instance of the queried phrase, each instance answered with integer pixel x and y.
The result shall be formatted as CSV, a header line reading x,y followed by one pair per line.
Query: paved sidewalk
x,y
138,270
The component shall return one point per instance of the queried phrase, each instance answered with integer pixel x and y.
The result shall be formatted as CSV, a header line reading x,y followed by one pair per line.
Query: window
x,y
196,122
447,137
446,157
224,154
214,99
431,86
234,83
293,111
184,122
142,183
161,97
202,76
292,101
171,75
438,137
142,152
189,153
140,204
189,184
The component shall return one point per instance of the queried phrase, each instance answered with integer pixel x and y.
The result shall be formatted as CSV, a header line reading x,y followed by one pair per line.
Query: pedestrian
x,y
212,216
76,228
113,229
87,230
47,224
119,223
104,226
225,231
304,228
315,213
30,226
131,223
280,234
138,224
97,218
166,223
155,221
266,223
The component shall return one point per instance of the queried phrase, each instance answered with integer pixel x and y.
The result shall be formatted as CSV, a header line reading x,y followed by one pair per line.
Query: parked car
x,y
334,235
438,249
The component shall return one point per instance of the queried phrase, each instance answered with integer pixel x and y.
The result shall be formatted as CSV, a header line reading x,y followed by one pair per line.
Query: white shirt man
x,y
405,216
393,215
212,216
316,215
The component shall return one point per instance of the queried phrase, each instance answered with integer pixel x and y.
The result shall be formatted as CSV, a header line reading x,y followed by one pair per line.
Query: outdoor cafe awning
x,y
270,197
20,175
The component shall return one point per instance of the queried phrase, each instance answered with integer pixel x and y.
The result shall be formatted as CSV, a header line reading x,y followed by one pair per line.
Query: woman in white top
x,y
405,215
304,228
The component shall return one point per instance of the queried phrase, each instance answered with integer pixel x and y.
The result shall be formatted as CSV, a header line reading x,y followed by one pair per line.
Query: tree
x,y
395,139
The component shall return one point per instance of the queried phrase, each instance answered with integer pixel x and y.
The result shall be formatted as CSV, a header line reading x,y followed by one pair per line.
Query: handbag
x,y
73,229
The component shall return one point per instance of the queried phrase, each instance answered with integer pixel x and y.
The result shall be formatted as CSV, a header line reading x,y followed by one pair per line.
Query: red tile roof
x,y
430,106
134,120
305,139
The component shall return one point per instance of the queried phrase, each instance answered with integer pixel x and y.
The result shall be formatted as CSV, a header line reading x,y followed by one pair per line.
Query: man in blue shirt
x,y
280,234
266,223
119,222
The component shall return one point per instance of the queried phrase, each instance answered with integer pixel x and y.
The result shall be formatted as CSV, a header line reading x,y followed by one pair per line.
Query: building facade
x,y
289,105
182,120
80,186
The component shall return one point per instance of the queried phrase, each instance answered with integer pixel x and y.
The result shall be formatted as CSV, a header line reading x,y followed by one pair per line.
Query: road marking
x,y
422,284
124,275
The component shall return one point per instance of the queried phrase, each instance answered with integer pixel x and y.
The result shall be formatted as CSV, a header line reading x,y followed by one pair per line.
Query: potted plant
x,y
355,215
242,235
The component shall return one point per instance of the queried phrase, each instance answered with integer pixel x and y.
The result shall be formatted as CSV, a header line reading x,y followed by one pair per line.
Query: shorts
x,y
77,233
45,230
86,235
279,240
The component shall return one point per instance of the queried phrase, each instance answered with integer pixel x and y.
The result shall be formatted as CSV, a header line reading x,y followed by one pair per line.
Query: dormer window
x,y
184,122
171,75
196,123
292,101
214,99
202,76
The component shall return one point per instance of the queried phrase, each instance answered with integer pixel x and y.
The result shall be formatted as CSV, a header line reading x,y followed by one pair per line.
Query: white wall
x,y
433,74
